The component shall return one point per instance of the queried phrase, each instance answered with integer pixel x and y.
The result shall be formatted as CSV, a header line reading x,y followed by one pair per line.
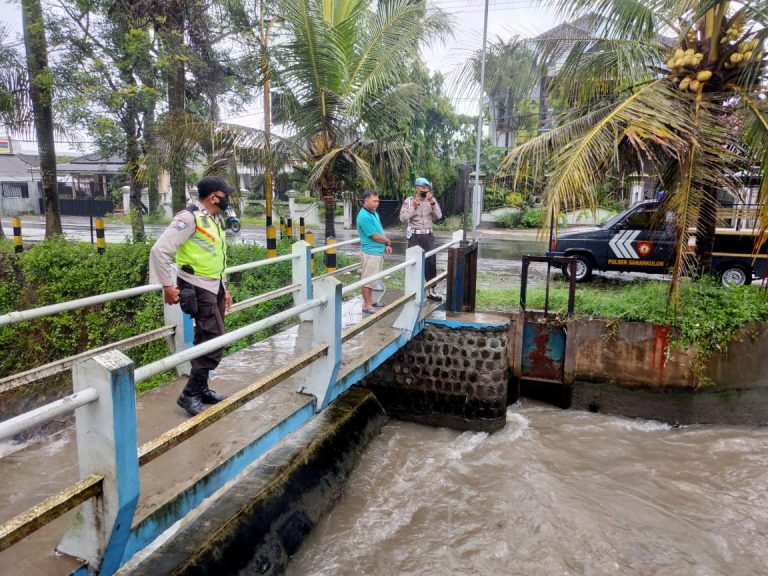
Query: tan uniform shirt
x,y
161,257
420,217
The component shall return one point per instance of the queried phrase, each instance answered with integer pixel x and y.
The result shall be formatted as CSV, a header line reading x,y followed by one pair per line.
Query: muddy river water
x,y
553,493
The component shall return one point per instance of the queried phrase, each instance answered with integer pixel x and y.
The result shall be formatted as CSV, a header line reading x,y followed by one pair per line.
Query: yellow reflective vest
x,y
206,250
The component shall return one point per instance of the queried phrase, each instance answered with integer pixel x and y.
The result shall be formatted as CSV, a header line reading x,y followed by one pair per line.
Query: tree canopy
x,y
675,87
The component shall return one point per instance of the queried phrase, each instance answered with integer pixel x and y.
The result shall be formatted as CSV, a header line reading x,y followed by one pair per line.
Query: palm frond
x,y
579,153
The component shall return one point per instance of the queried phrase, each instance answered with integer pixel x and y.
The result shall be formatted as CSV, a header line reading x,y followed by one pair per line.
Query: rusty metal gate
x,y
542,360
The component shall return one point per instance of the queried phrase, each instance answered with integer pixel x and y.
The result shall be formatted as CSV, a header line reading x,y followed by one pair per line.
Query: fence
x,y
104,401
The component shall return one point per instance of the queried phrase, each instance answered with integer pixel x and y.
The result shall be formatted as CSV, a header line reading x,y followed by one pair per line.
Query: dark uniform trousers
x,y
209,324
427,243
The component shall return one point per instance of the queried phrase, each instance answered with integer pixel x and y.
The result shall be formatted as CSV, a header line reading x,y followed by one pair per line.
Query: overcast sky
x,y
506,18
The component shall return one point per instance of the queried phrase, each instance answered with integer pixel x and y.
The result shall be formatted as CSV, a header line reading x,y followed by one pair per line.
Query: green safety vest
x,y
206,250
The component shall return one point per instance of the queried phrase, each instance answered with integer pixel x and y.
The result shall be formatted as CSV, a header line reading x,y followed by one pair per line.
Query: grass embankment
x,y
707,315
60,270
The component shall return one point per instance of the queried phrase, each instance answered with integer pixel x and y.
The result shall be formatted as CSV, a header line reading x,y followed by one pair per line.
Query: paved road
x,y
500,250
498,253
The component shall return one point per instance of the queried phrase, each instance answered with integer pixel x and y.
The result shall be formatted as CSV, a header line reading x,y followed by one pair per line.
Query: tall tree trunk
x,y
41,92
129,119
172,37
148,145
705,230
329,202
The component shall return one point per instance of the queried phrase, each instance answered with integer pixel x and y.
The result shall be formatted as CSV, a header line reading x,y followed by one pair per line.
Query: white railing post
x,y
414,283
106,446
302,275
320,377
184,335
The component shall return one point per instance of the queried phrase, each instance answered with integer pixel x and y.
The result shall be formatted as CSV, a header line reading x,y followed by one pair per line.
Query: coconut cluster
x,y
686,71
745,52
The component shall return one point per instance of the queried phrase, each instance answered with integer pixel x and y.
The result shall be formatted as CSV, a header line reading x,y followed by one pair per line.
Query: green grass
x,y
450,224
707,315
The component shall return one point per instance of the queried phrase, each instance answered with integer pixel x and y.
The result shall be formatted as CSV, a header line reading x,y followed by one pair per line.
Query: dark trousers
x,y
427,243
209,323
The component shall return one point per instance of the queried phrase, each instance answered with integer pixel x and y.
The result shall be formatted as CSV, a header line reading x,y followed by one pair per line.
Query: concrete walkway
x,y
40,470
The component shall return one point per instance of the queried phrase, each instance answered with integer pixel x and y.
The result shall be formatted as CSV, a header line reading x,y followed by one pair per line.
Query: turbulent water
x,y
553,493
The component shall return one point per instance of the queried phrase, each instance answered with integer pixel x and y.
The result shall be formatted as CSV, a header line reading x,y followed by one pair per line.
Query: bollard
x,y
282,228
101,242
310,239
301,228
271,242
330,255
290,229
17,245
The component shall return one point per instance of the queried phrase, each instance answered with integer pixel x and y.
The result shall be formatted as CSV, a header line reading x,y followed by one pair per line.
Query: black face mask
x,y
223,202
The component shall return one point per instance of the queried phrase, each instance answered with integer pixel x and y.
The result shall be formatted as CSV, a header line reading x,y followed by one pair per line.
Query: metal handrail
x,y
47,412
21,315
334,245
440,248
57,366
198,350
259,263
383,274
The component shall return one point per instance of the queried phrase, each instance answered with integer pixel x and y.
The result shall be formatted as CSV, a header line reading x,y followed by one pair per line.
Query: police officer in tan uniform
x,y
419,213
197,239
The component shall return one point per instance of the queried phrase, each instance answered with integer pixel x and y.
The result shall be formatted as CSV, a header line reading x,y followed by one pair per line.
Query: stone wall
x,y
454,373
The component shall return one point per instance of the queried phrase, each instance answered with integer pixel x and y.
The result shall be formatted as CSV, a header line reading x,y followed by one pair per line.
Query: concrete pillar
x,y
414,282
302,275
320,377
107,445
348,224
126,190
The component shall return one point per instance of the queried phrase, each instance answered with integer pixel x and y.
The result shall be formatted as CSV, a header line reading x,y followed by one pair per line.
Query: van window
x,y
640,220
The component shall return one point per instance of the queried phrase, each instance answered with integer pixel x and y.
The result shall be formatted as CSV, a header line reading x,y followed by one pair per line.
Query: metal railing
x,y
174,330
104,403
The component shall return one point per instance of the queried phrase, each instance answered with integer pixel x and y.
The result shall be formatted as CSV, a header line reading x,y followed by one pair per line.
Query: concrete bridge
x,y
132,467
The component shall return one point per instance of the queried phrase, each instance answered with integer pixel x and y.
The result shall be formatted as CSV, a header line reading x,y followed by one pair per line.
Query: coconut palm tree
x,y
340,73
679,85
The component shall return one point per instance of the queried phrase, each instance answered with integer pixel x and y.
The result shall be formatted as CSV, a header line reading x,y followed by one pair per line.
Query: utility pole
x,y
476,188
265,25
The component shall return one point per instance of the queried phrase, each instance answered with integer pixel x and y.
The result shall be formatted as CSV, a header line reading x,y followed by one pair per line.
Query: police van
x,y
637,240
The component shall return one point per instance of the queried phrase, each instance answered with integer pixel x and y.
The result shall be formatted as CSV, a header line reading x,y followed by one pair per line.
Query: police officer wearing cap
x,y
419,213
197,238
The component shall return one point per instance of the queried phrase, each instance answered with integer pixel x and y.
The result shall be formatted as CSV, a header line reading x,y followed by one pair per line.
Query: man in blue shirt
x,y
373,245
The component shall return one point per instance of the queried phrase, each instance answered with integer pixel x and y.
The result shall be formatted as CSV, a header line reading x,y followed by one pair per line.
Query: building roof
x,y
93,164
31,159
13,167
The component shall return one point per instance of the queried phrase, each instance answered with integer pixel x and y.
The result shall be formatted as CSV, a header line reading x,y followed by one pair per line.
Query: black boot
x,y
211,396
191,403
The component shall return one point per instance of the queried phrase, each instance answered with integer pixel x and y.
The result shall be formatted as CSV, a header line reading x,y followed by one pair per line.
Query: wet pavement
x,y
37,471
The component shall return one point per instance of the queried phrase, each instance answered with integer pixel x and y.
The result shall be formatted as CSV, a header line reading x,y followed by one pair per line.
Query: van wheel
x,y
733,275
583,269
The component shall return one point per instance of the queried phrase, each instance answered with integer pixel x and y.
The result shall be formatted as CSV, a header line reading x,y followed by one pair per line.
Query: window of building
x,y
14,189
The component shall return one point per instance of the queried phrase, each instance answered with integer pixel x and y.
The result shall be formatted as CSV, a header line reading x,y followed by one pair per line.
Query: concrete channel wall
x,y
633,369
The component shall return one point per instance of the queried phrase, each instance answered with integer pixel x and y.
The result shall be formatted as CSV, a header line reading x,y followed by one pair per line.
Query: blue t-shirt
x,y
368,223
